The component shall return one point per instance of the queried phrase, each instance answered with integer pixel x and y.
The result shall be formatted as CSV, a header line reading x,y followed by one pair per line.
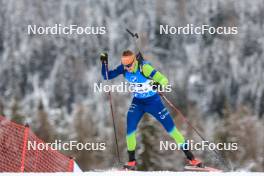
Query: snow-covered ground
x,y
130,173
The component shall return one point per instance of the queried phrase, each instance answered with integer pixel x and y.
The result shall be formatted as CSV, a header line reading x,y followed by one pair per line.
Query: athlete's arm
x,y
155,75
112,73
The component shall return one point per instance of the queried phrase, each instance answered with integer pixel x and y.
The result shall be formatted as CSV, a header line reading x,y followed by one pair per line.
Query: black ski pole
x,y
184,119
139,56
112,115
135,36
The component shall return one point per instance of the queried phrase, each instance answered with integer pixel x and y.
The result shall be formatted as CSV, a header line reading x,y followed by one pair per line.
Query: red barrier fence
x,y
16,157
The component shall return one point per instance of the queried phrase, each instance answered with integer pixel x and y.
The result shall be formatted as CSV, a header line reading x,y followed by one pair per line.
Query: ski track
x,y
140,173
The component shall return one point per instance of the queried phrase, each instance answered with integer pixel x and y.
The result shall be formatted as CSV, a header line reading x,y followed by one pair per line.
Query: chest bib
x,y
140,85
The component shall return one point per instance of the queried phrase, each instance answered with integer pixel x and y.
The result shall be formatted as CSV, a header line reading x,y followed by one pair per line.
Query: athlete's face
x,y
128,62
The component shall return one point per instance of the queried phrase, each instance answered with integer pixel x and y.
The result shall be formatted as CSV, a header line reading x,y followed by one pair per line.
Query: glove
x,y
104,57
156,86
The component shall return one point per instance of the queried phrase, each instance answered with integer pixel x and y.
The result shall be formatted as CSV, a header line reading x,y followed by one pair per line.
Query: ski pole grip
x,y
132,34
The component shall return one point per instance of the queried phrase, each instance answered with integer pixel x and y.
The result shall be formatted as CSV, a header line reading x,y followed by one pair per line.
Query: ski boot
x,y
189,155
196,163
131,165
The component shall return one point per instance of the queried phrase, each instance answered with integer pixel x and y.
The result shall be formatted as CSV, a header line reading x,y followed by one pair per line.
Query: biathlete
x,y
145,99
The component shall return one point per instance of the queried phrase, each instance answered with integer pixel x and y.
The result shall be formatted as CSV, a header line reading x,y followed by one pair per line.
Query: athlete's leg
x,y
134,115
160,112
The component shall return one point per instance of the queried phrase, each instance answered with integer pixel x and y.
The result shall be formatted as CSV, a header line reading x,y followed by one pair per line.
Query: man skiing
x,y
145,99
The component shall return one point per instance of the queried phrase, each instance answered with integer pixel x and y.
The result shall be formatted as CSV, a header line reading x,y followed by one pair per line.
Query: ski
x,y
129,168
201,169
120,169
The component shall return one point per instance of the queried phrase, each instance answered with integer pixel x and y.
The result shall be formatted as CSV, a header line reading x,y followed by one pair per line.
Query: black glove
x,y
156,86
104,58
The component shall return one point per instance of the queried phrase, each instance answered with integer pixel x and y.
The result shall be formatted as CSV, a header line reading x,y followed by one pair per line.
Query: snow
x,y
76,167
132,173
